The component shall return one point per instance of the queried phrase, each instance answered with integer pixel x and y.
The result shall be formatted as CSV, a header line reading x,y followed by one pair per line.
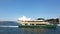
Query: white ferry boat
x,y
31,23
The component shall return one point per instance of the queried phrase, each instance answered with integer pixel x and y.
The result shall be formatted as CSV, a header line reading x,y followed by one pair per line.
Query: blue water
x,y
16,30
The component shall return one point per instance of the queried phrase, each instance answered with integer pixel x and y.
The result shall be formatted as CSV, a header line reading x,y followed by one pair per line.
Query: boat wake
x,y
8,26
58,24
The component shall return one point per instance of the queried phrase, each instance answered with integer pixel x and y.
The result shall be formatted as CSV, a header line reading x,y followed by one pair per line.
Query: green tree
x,y
40,19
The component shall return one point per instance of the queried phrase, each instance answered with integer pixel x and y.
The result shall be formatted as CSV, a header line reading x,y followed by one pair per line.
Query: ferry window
x,y
40,24
25,24
31,24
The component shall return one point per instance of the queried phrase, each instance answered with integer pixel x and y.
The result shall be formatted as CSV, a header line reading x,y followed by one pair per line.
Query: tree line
x,y
54,21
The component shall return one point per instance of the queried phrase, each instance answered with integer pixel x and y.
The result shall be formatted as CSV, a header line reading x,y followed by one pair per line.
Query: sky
x,y
11,10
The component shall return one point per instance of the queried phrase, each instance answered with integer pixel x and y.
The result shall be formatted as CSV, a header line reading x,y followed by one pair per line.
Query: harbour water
x,y
12,28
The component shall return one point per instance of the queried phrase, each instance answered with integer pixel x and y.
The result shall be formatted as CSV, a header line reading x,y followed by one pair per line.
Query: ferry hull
x,y
40,26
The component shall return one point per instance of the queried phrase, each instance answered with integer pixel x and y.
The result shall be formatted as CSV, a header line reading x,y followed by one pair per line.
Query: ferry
x,y
25,22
